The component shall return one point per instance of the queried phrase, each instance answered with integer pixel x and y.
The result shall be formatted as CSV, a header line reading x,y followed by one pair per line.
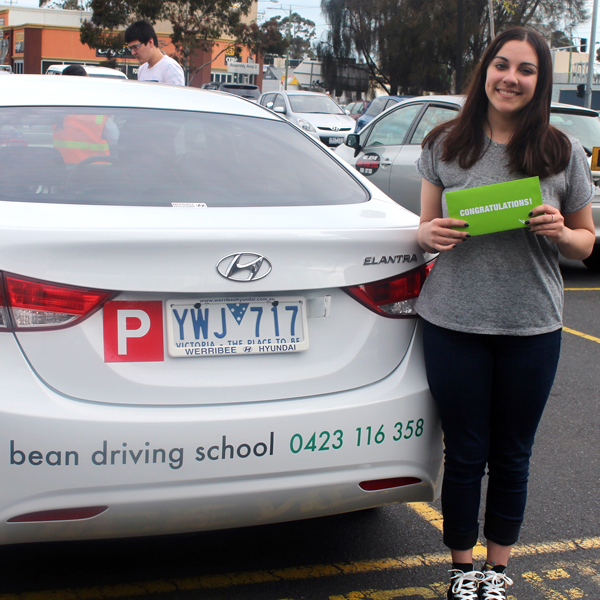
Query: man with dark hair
x,y
141,40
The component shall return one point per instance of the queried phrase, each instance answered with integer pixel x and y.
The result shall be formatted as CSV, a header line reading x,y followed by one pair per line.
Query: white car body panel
x,y
173,445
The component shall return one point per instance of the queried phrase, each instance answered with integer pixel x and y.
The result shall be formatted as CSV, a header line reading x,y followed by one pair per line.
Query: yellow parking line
x,y
583,335
227,580
582,289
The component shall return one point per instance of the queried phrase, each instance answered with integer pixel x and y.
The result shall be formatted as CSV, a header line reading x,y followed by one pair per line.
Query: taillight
x,y
393,297
30,303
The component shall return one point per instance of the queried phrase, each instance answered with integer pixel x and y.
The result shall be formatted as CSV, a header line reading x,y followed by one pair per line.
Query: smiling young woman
x,y
494,301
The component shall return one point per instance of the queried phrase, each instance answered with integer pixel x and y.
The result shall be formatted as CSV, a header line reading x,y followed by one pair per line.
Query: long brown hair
x,y
536,147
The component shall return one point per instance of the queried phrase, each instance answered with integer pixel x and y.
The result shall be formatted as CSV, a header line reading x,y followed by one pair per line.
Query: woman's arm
x,y
435,233
574,234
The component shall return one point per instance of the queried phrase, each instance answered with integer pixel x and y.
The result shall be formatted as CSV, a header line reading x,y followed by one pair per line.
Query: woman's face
x,y
511,78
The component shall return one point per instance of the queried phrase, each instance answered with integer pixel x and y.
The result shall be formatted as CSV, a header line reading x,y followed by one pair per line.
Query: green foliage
x,y
299,33
410,46
196,24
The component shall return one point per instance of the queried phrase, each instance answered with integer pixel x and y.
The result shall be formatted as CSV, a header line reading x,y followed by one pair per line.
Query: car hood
x,y
327,120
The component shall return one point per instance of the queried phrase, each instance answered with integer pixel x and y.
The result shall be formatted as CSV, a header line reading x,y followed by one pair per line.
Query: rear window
x,y
147,157
375,107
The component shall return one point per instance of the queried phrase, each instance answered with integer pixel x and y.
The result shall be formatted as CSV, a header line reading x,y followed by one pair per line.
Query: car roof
x,y
40,90
302,93
92,71
459,101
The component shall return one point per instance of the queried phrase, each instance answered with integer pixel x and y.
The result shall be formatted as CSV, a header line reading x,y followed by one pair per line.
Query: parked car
x,y
376,107
317,114
5,70
356,108
192,339
245,90
91,70
387,149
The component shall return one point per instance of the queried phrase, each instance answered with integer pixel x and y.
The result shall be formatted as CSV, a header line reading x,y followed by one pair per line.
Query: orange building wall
x,y
64,44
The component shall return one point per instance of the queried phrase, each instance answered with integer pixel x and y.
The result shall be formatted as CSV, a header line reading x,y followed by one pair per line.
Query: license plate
x,y
234,326
336,140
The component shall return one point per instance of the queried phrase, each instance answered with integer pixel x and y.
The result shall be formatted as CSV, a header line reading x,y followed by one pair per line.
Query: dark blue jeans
x,y
491,391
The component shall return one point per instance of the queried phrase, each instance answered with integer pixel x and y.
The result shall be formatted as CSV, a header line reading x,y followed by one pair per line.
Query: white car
x,y
91,70
317,114
206,323
386,149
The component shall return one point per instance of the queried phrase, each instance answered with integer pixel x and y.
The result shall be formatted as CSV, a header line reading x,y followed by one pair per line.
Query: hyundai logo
x,y
335,129
244,266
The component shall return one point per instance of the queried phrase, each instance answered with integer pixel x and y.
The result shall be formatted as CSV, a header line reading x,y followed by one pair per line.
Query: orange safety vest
x,y
80,137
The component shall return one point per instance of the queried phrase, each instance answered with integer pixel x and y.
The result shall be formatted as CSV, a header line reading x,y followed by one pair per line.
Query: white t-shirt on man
x,y
166,70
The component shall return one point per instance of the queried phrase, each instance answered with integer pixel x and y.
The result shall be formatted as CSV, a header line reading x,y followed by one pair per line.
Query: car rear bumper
x,y
169,470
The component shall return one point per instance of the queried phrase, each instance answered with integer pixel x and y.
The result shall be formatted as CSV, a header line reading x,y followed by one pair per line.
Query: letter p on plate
x,y
133,331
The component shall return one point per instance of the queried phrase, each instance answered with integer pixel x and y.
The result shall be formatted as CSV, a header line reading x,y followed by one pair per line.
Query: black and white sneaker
x,y
493,585
464,585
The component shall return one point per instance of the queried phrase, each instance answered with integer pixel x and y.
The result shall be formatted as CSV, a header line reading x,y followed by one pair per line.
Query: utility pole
x,y
592,57
460,19
289,39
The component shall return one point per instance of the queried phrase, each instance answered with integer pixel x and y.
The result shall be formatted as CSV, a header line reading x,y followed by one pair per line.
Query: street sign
x,y
243,68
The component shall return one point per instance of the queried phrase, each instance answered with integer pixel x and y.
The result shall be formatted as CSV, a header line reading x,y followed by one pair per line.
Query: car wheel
x,y
592,262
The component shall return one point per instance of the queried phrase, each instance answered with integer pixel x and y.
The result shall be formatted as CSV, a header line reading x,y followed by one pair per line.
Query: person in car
x,y
492,304
142,41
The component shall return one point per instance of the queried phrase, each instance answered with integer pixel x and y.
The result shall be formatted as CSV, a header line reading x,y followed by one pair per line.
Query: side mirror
x,y
346,111
269,105
353,141
280,110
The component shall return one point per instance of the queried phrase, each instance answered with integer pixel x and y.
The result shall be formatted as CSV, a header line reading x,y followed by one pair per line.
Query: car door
x,y
383,143
405,181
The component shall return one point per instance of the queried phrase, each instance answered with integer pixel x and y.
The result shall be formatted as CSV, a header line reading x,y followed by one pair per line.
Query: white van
x,y
91,71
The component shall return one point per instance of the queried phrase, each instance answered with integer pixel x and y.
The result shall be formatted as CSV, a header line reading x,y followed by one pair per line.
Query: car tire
x,y
592,262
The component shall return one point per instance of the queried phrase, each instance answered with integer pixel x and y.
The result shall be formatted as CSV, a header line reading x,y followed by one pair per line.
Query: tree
x,y
196,24
410,46
300,33
67,4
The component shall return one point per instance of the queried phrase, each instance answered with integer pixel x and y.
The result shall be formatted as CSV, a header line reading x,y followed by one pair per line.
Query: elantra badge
x,y
244,266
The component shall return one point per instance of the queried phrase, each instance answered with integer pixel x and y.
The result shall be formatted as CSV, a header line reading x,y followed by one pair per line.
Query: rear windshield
x,y
149,157
376,107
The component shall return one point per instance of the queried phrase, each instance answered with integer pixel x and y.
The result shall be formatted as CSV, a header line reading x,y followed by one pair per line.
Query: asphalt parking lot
x,y
382,554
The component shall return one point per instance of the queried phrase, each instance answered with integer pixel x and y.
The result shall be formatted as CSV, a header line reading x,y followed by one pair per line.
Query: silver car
x,y
317,114
386,150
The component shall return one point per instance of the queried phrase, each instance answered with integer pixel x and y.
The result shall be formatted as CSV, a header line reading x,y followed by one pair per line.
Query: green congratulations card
x,y
496,207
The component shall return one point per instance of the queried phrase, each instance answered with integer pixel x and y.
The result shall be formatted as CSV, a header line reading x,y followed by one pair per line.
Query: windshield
x,y
315,104
585,128
150,157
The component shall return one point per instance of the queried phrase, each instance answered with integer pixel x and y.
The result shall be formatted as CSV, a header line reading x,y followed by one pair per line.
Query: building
x,y
35,38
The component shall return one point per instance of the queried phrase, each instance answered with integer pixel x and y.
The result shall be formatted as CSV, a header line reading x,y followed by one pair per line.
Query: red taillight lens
x,y
34,303
393,297
61,514
4,320
386,484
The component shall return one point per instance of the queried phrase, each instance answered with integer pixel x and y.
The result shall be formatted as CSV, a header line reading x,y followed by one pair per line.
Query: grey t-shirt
x,y
506,283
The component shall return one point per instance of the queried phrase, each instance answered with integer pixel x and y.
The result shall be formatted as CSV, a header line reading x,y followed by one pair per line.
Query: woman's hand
x,y
574,234
437,235
547,221
435,232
